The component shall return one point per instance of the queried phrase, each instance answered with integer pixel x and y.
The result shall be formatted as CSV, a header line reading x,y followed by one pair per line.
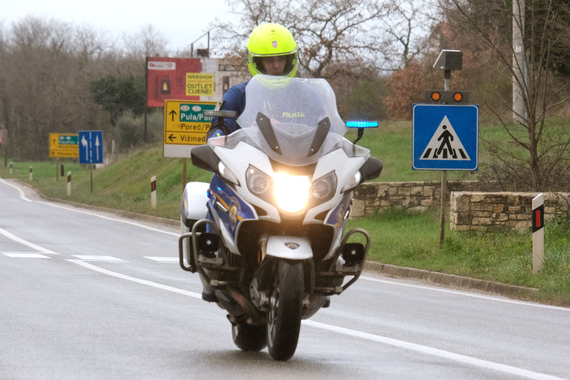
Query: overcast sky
x,y
179,21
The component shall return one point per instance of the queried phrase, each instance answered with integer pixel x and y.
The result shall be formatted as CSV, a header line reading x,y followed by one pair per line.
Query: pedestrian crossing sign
x,y
445,137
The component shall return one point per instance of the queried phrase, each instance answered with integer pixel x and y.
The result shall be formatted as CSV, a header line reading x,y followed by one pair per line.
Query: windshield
x,y
293,120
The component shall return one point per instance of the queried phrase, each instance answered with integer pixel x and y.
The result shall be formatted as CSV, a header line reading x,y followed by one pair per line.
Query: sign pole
x,y
451,153
537,233
145,98
442,206
185,164
447,79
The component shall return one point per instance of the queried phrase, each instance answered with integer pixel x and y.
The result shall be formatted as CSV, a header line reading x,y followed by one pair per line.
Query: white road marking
x,y
434,352
467,294
137,280
162,259
97,258
22,195
21,255
26,243
357,334
132,223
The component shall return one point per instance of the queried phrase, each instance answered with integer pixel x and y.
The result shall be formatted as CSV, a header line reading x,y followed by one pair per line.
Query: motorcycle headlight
x,y
291,192
324,188
258,182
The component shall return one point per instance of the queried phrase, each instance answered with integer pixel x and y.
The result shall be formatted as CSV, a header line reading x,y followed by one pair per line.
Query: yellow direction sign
x,y
63,145
185,126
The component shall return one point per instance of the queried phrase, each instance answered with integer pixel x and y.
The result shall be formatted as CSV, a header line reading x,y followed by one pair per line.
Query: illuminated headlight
x,y
291,192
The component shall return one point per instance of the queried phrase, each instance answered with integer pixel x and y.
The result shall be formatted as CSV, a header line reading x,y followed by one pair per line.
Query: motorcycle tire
x,y
249,338
285,311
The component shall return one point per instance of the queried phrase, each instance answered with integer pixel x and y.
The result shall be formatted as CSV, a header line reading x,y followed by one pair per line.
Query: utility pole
x,y
519,63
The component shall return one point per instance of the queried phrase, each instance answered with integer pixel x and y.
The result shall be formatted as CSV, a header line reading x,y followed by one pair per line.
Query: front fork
x,y
273,249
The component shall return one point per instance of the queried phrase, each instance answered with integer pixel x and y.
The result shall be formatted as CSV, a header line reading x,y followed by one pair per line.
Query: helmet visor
x,y
289,60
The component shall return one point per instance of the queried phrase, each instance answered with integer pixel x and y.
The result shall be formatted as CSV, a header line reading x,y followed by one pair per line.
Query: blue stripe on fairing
x,y
222,192
337,215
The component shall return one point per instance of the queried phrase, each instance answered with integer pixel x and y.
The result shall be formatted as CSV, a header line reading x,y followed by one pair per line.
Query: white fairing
x,y
289,247
195,200
290,126
345,171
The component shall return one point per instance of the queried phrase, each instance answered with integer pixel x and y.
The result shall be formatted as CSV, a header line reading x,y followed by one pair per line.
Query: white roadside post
x,y
31,173
68,183
153,192
537,233
11,169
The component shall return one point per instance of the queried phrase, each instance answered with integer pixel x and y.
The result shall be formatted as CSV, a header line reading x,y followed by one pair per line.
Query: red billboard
x,y
167,79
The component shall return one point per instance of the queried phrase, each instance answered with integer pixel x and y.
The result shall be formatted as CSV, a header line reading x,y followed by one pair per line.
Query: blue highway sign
x,y
445,137
90,147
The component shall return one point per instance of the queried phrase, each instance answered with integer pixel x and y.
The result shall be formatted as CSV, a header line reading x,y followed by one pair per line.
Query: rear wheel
x,y
248,337
285,308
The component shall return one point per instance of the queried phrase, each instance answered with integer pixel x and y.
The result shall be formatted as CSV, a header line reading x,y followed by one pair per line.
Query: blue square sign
x,y
90,147
445,137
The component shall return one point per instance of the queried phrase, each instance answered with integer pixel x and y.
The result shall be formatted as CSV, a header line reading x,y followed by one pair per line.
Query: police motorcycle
x,y
267,234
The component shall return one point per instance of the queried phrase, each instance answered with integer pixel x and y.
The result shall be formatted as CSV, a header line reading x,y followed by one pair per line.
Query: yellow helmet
x,y
271,40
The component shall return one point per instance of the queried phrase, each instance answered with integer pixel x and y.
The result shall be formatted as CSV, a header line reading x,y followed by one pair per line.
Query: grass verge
x,y
412,240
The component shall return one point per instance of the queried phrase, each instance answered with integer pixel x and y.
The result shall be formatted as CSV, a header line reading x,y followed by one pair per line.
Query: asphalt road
x,y
90,295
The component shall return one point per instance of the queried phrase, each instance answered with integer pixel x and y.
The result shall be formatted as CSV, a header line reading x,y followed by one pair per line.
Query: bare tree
x,y
148,42
45,85
90,44
538,154
333,35
408,28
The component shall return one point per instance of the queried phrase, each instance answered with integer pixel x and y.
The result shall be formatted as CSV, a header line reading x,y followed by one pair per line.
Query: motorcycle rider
x,y
271,50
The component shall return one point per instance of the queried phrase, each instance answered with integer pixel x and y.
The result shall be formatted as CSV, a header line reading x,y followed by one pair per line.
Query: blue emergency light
x,y
362,124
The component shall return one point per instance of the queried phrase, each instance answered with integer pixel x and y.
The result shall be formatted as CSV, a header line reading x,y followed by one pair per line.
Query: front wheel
x,y
285,311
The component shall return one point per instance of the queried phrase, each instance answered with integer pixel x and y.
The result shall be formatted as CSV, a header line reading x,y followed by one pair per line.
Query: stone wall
x,y
477,211
370,198
469,209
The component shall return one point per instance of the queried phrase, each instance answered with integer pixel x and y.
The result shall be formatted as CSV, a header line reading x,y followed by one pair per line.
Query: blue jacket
x,y
234,100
